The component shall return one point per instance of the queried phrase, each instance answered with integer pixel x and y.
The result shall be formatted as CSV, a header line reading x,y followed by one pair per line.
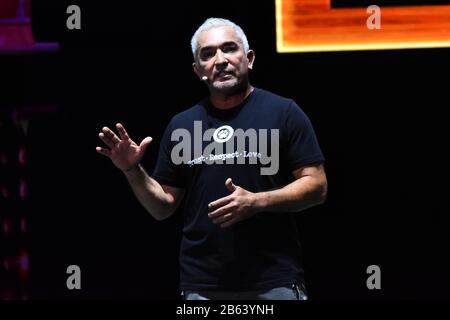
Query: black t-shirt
x,y
263,251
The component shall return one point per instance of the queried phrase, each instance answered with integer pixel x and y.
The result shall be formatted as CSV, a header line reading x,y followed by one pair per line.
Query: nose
x,y
221,60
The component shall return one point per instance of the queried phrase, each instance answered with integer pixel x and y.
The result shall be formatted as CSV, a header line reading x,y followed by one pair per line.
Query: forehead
x,y
216,36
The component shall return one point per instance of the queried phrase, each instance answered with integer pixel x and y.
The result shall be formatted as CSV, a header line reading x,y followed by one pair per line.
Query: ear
x,y
195,69
251,58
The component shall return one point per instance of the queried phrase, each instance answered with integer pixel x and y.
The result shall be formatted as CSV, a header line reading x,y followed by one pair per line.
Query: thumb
x,y
230,185
145,143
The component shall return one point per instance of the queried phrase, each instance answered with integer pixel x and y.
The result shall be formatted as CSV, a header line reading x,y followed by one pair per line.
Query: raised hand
x,y
123,152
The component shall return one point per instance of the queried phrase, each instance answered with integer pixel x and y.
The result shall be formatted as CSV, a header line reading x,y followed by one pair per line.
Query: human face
x,y
221,57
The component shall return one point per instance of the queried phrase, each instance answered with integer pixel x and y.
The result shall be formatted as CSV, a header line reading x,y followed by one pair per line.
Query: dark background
x,y
379,116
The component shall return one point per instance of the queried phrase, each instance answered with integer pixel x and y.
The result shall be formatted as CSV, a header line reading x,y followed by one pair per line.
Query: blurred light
x,y
23,189
6,264
7,295
23,224
23,261
5,192
6,226
22,156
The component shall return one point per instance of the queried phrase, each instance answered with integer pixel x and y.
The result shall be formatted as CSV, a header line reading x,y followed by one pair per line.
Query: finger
x,y
220,202
103,151
222,210
230,185
105,137
122,132
223,218
111,135
229,223
145,143
107,141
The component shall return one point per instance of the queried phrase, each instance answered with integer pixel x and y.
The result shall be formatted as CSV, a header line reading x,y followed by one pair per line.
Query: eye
x,y
228,48
206,54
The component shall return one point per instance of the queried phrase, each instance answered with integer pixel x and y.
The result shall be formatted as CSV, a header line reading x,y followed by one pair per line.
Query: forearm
x,y
149,193
294,197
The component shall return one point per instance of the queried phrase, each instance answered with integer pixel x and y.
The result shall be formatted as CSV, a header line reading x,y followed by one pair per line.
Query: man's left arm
x,y
308,189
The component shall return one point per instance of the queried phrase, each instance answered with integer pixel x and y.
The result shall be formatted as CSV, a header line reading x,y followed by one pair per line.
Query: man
x,y
239,235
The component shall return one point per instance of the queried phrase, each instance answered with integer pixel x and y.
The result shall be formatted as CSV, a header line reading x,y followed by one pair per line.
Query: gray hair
x,y
218,22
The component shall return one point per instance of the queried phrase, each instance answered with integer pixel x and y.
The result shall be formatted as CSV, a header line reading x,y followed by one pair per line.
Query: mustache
x,y
223,72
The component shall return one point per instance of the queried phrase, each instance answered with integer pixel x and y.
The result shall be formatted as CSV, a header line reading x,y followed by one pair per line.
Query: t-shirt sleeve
x,y
302,147
166,172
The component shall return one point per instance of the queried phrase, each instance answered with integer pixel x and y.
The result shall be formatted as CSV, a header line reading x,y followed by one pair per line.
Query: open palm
x,y
123,152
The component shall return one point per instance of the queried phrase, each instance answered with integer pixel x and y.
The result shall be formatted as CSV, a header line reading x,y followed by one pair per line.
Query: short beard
x,y
238,87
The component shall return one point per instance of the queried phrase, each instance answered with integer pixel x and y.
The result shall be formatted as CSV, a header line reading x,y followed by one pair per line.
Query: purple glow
x,y
23,262
23,189
22,156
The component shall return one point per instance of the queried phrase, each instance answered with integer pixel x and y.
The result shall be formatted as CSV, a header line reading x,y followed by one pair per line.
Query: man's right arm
x,y
160,201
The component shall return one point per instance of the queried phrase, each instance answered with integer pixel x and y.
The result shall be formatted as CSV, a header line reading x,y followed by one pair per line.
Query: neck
x,y
225,101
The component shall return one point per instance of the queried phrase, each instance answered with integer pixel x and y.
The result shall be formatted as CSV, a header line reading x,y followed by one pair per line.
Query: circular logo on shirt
x,y
223,134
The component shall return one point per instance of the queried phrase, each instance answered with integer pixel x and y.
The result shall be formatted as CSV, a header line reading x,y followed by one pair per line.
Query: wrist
x,y
132,170
260,201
